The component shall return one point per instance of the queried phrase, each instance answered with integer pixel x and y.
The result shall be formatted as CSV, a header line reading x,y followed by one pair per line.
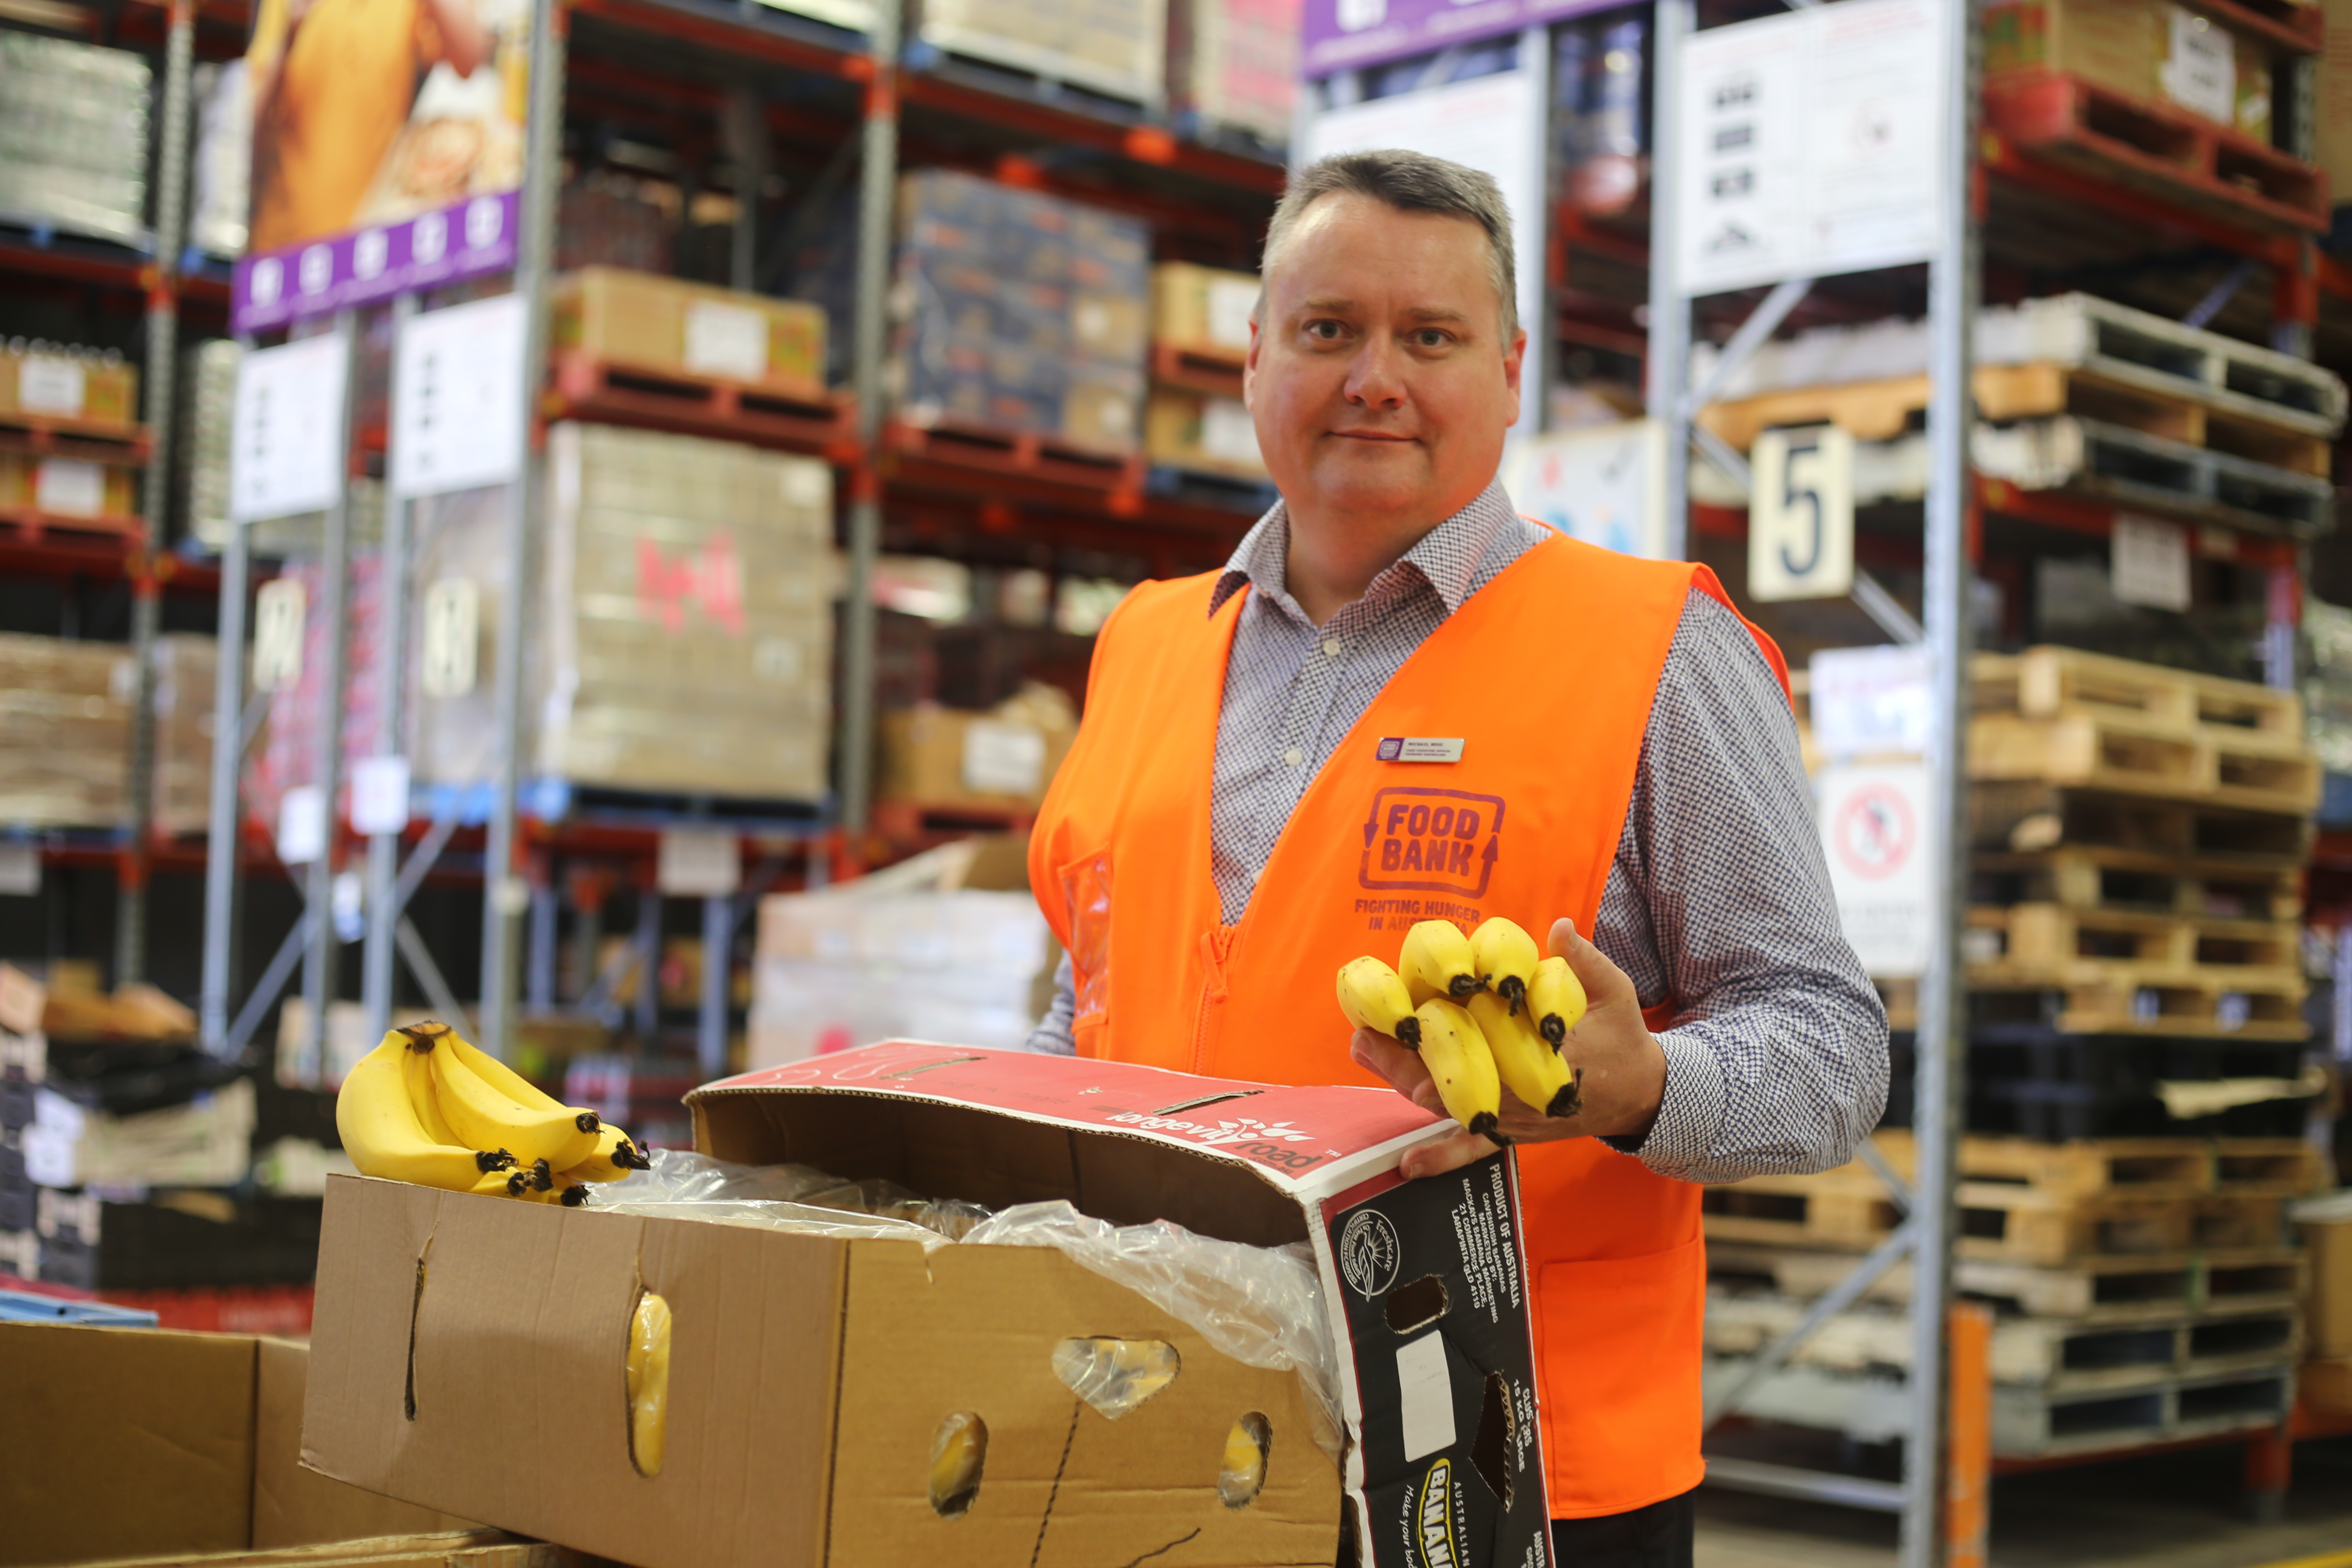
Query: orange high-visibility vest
x,y
1546,676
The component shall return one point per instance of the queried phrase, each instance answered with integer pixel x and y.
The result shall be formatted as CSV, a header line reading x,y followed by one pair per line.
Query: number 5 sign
x,y
1801,514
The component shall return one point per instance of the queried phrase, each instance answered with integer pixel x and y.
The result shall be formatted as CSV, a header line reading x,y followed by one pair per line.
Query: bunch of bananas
x,y
426,1107
1484,1011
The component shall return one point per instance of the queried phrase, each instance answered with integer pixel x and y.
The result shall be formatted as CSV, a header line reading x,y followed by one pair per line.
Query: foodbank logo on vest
x,y
1433,1520
1429,841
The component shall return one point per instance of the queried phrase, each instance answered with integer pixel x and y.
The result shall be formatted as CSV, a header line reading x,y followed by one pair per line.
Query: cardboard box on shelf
x,y
2327,1310
1202,310
137,1443
949,945
637,321
1003,758
1113,47
1194,430
67,384
810,1375
1234,63
69,487
2326,1385
2149,50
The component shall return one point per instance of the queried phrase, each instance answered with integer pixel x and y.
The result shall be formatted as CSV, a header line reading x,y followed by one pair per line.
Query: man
x,y
1234,823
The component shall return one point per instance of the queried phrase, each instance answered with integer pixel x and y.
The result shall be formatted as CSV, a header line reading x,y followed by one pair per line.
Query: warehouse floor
x,y
2168,1511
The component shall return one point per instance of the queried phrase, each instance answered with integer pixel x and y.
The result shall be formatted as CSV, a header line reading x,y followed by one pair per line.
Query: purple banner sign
x,y
1341,35
464,239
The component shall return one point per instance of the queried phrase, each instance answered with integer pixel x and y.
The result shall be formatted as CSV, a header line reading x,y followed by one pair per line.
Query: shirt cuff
x,y
1690,1113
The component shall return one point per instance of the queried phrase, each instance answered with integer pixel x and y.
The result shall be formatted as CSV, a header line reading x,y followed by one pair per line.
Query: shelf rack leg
x,y
222,827
319,959
718,969
1667,372
878,203
155,492
2270,1466
377,960
504,896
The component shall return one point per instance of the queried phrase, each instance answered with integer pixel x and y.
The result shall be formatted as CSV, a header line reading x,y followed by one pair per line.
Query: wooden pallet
x,y
2126,1289
2158,1003
1217,372
653,397
2134,880
2052,945
2124,756
33,526
2131,1167
90,440
953,443
2103,461
2173,154
2030,816
2061,1355
1882,410
2267,1167
2050,682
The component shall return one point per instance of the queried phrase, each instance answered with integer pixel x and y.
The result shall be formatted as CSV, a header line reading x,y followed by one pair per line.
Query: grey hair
x,y
1411,182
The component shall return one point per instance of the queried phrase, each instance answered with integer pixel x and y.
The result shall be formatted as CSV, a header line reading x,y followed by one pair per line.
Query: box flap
x,y
123,1442
975,1330
1224,1157
513,1351
295,1506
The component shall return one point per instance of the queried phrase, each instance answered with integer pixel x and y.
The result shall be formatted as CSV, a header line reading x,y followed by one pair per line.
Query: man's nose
x,y
1375,381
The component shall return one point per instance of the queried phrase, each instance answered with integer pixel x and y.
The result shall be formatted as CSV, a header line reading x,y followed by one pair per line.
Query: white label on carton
x,y
1232,302
2149,562
20,869
1425,1397
1003,759
1868,699
726,340
1091,322
778,659
47,384
453,638
301,824
280,611
2201,70
1227,431
380,794
69,487
699,862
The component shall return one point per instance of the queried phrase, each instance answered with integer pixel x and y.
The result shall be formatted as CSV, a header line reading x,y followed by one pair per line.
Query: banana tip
x,y
1566,1103
1486,1123
1408,1032
1465,986
588,1122
1514,990
575,1196
1553,1028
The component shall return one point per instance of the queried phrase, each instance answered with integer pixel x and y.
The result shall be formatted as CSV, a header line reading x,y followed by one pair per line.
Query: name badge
x,y
1419,749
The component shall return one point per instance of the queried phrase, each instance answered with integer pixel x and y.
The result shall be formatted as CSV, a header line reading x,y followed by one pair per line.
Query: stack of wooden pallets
x,y
2147,1289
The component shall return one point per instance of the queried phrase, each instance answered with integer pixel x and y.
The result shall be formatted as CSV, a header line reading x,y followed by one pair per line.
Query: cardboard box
x,y
2327,1313
2326,1385
1003,759
1235,63
809,1375
638,320
68,487
2331,125
1114,47
144,1442
1194,430
72,384
1202,310
2148,49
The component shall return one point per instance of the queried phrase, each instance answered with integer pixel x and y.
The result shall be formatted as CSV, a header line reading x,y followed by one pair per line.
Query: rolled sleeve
x,y
1052,1036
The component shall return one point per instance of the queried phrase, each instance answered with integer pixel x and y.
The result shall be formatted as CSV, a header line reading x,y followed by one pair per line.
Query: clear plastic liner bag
x,y
1262,1306
1116,1376
680,1176
804,1218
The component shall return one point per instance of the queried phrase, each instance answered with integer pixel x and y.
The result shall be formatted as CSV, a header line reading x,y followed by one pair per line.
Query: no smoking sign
x,y
1877,832
1875,826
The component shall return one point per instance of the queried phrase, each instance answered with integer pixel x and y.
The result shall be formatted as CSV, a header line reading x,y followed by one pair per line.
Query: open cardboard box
x,y
143,1443
471,1349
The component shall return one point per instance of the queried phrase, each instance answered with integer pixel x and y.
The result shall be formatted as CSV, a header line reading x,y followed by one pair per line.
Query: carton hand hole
x,y
1116,1376
648,1383
959,1454
1242,1476
1492,1453
1413,1306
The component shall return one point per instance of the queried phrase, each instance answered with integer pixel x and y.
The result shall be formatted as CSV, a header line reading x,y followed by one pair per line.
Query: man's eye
x,y
1433,338
1325,330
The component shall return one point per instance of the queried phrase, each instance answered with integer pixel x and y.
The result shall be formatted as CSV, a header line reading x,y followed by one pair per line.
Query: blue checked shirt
x,y
1718,897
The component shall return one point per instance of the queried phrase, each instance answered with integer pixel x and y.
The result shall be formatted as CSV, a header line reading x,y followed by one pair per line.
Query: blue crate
x,y
24,1306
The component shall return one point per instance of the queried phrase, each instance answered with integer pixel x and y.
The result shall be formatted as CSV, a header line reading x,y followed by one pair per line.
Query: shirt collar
x,y
1447,557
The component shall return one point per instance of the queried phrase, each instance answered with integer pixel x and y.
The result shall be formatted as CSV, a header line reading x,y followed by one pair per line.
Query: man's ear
x,y
1514,360
1249,365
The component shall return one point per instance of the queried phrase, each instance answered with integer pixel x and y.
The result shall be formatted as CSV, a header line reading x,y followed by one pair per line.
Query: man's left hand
x,y
1620,1069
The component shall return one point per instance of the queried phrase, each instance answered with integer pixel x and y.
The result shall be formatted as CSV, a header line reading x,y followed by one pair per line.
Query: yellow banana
x,y
1506,957
509,1183
486,1067
562,1137
615,1156
1373,998
418,1076
1436,962
1527,1064
1242,1475
959,1453
1462,1065
381,1131
1555,999
648,1383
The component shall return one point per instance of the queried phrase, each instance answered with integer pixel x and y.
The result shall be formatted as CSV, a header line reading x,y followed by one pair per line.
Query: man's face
x,y
1377,376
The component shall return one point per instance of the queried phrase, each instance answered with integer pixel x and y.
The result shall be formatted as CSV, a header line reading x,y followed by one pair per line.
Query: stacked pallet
x,y
2146,1290
2076,396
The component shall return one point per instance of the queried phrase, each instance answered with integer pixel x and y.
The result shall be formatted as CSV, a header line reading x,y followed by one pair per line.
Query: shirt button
x,y
1331,648
1293,757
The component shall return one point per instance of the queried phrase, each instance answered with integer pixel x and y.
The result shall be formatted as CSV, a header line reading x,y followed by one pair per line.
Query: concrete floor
x,y
2167,1511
